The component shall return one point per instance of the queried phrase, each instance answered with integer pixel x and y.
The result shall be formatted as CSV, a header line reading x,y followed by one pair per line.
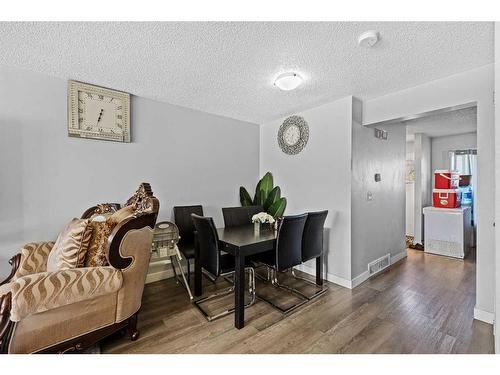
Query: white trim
x,y
366,275
328,276
484,316
345,282
399,256
360,279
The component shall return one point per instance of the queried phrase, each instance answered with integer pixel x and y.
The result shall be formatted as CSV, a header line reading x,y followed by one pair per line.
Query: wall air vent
x,y
379,264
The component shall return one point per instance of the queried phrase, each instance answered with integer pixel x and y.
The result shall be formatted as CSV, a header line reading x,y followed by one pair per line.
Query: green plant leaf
x,y
257,198
277,209
245,197
273,196
266,185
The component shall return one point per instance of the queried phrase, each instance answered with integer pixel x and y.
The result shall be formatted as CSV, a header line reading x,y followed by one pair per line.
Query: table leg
x,y
197,268
319,270
239,291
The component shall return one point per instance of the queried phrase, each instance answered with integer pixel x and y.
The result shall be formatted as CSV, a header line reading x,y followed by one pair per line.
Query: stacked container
x,y
446,193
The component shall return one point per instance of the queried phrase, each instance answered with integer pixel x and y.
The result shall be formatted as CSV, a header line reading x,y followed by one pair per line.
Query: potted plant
x,y
267,196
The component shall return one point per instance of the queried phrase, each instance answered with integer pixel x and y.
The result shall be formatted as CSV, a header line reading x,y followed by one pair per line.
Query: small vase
x,y
256,229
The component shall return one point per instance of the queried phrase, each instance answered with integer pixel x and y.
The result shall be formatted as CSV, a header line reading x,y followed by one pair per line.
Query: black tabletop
x,y
244,235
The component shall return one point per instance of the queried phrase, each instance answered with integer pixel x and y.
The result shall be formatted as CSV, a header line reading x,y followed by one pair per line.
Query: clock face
x,y
293,135
98,113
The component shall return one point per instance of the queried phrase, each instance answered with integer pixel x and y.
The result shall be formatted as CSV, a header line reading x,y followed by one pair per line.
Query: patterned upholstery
x,y
98,247
48,290
34,258
97,254
71,246
5,288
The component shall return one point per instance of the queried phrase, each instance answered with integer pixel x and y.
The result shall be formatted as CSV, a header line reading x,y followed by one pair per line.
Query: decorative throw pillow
x,y
71,246
102,226
98,248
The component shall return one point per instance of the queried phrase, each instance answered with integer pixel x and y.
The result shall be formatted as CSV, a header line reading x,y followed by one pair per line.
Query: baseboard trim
x,y
484,316
327,276
360,279
366,275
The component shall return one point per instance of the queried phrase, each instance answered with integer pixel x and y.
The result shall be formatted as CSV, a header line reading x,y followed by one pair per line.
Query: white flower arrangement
x,y
262,217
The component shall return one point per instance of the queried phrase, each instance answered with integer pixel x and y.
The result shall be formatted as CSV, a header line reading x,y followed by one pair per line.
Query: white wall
x,y
378,225
422,189
497,189
47,178
441,145
474,86
410,193
319,177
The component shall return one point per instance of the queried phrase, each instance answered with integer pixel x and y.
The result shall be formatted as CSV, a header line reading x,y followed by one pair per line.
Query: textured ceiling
x,y
448,123
228,68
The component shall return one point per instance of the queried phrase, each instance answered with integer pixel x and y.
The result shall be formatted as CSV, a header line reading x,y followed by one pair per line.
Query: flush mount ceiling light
x,y
288,81
368,39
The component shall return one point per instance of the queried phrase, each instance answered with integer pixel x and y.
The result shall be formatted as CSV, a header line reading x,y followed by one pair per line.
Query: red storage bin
x,y
444,179
446,198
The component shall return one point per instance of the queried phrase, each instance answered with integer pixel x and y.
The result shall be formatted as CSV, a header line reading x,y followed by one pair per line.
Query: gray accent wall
x,y
47,178
378,225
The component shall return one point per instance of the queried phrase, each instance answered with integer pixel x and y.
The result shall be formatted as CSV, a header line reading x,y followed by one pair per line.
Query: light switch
x,y
369,196
377,177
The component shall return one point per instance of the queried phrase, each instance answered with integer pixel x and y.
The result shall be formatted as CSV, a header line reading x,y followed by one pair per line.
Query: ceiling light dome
x,y
288,81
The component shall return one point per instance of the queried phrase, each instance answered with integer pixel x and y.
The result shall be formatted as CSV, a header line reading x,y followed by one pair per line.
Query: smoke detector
x,y
368,39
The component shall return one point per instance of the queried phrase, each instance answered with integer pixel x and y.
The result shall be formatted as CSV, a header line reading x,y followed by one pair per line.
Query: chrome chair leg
x,y
211,318
323,289
275,283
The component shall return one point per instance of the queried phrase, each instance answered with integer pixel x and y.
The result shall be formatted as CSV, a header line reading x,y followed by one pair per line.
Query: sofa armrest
x,y
48,290
33,258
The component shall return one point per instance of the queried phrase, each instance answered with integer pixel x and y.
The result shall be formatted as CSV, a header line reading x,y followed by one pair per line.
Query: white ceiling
x,y
228,68
449,123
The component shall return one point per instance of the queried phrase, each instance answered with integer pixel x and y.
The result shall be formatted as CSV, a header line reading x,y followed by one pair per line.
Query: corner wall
x,y
497,188
378,225
423,183
48,178
318,178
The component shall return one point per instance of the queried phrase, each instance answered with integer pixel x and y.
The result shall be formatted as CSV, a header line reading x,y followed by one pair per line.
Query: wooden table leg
x,y
239,291
197,268
319,270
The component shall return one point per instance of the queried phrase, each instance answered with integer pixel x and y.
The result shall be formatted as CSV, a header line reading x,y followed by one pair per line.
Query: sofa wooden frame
x,y
140,220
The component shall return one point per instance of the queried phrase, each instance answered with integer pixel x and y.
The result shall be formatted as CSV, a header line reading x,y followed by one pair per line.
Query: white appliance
x,y
448,231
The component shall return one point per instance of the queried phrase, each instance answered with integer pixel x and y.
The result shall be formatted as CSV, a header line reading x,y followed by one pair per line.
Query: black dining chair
x,y
236,216
288,254
312,244
215,263
182,218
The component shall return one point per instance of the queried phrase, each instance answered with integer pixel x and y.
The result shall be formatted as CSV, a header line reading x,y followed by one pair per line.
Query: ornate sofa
x,y
72,309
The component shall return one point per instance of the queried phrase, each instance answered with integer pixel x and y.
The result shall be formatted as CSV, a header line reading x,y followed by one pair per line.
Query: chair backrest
x,y
208,243
182,218
289,241
312,239
236,216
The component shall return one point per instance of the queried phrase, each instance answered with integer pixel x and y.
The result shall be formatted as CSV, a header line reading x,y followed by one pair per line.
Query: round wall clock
x,y
293,135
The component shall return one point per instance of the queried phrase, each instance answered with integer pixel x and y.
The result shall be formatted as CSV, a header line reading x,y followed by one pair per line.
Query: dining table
x,y
241,242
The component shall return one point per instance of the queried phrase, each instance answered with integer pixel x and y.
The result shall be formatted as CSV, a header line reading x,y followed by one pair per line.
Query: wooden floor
x,y
423,304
